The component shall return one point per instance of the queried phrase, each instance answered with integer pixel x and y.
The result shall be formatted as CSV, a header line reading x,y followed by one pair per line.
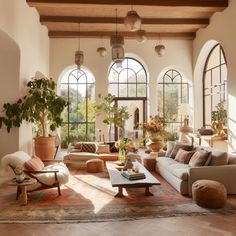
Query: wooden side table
x,y
23,189
149,163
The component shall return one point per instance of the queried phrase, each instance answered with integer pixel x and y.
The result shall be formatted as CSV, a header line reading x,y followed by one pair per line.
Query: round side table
x,y
23,188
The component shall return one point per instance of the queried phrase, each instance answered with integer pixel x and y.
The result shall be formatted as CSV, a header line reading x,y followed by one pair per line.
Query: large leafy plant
x,y
114,114
40,105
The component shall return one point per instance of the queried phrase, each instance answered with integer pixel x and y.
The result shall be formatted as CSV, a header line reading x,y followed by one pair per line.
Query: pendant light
x,y
117,42
102,50
79,55
141,36
160,49
132,20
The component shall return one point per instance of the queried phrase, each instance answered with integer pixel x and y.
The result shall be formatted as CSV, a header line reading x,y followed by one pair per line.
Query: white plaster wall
x,y
222,30
21,24
178,53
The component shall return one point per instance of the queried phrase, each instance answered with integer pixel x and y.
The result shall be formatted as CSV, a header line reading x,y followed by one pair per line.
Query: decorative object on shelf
x,y
79,55
117,42
155,129
19,173
160,49
219,118
141,36
132,21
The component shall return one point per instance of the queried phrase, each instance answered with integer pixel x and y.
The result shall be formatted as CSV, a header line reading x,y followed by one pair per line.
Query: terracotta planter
x,y
45,148
155,145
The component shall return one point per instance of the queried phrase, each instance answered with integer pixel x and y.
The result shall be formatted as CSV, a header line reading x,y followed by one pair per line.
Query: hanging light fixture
x,y
117,42
102,50
132,21
160,49
79,55
141,36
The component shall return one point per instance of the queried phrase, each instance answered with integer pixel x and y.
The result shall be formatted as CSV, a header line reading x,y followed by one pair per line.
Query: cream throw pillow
x,y
103,148
200,158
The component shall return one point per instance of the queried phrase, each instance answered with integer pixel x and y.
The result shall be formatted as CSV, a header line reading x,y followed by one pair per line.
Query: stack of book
x,y
131,175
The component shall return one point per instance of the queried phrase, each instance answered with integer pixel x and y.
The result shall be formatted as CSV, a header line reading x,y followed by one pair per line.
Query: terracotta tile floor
x,y
192,225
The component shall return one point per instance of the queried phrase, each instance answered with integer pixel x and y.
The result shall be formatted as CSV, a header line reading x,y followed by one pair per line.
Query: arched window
x,y
78,88
214,82
172,90
128,82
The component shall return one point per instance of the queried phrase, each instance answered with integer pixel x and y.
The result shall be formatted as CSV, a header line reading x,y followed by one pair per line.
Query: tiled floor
x,y
192,225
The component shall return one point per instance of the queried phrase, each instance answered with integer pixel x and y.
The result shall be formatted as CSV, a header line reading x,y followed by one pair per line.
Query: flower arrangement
x,y
155,128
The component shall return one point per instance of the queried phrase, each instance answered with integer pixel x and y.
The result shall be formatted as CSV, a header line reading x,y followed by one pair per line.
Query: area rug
x,y
90,198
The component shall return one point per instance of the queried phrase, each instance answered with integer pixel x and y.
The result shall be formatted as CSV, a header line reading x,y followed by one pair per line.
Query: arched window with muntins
x,y
128,79
78,88
214,82
172,91
129,83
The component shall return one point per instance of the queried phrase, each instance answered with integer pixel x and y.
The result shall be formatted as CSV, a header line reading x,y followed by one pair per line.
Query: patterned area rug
x,y
90,198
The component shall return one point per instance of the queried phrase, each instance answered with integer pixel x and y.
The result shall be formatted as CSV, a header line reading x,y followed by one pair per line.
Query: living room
x,y
29,48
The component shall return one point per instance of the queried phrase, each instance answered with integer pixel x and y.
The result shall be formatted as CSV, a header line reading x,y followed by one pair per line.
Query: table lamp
x,y
185,111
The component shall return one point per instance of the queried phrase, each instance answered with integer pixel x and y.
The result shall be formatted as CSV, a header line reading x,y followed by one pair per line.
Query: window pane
x,y
131,76
123,90
132,90
113,89
142,90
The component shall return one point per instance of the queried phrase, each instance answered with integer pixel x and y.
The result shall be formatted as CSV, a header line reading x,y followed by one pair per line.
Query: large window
x,y
78,88
128,82
172,90
214,82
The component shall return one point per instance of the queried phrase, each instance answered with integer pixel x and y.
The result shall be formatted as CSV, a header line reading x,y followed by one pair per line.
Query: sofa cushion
x,y
200,158
78,146
80,156
218,157
179,170
109,156
103,148
34,164
178,146
112,146
88,147
183,156
170,146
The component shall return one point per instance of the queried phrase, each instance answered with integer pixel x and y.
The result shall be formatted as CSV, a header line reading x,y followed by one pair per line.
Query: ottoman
x,y
209,194
94,165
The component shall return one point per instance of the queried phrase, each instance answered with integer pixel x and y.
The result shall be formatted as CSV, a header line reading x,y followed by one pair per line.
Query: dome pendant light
x,y
160,49
132,21
79,55
102,51
141,36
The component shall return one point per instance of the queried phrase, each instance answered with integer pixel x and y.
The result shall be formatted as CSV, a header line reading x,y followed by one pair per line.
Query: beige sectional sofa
x,y
222,168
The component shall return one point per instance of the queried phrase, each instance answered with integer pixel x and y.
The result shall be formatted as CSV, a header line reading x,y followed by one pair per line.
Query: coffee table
x,y
117,180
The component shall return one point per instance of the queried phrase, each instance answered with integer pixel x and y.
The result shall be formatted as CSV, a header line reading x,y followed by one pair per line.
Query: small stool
x,y
149,163
94,165
209,194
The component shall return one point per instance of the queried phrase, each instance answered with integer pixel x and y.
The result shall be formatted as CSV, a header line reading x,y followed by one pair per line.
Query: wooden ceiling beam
x,y
130,35
112,20
167,3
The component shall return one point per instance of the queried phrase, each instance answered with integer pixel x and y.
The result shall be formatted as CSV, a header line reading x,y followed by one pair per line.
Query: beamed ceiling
x,y
169,19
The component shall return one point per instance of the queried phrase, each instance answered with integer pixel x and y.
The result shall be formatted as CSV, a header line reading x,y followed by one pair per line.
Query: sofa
x,y
221,167
81,152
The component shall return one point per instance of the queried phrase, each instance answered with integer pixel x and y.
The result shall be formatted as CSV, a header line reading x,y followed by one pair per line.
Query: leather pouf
x,y
95,165
209,194
149,163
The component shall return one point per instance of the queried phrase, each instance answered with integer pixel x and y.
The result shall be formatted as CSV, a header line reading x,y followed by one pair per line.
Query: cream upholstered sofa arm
x,y
225,174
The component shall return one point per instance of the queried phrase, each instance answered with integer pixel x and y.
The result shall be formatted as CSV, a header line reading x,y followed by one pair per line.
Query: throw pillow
x,y
78,146
177,147
170,146
200,158
34,164
183,156
103,148
88,147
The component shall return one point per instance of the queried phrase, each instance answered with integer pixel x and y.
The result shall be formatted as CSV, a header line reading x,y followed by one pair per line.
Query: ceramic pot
x,y
155,145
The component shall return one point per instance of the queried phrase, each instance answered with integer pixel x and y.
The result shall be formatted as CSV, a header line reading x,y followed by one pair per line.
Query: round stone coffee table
x,y
23,189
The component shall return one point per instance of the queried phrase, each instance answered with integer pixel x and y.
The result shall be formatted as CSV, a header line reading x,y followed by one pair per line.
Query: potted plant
x,y
41,105
219,118
115,115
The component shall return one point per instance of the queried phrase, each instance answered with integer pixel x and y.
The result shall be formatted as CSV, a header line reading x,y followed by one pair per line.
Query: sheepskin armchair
x,y
51,176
